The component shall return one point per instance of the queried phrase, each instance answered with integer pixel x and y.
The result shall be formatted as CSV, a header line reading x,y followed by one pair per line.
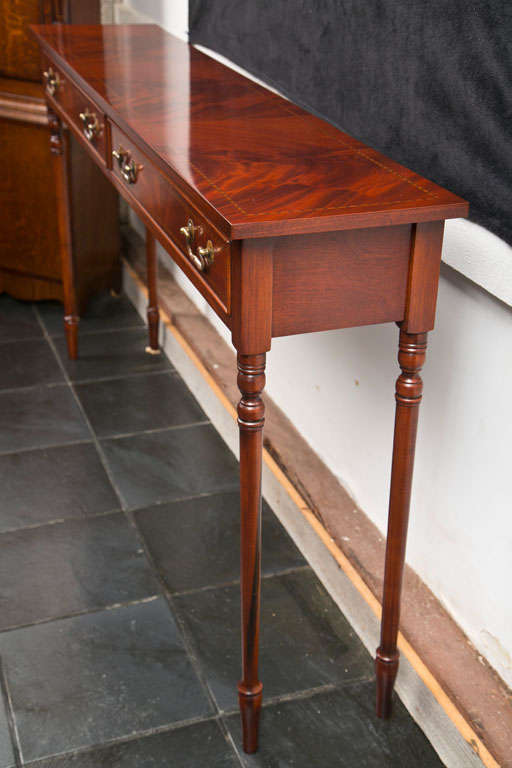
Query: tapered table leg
x,y
251,417
409,387
152,310
59,140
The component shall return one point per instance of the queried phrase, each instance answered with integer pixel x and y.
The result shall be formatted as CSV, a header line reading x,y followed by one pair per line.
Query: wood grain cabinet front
x,y
193,242
80,110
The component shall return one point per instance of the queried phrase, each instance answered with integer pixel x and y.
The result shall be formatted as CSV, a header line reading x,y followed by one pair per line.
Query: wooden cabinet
x,y
29,238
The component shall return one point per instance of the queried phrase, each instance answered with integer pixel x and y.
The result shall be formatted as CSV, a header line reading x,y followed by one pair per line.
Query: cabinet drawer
x,y
196,245
81,112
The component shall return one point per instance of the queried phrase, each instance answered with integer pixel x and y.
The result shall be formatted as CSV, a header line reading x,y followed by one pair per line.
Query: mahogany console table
x,y
282,222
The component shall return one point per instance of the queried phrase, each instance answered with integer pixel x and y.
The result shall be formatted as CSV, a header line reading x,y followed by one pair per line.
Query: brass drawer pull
x,y
204,256
129,168
52,81
92,127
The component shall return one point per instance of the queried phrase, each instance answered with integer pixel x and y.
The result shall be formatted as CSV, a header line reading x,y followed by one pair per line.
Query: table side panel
x,y
340,279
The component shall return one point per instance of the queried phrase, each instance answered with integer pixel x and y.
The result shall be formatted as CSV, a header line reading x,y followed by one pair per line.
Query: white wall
x,y
338,389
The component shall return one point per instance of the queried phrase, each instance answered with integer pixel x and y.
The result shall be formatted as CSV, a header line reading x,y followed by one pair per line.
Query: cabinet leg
x,y
59,145
409,387
251,418
152,310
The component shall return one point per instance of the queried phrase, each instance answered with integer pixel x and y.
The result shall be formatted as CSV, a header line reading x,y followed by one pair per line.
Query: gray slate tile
x,y
305,641
116,353
85,680
338,729
138,403
18,320
161,466
195,746
40,417
65,568
6,751
196,543
104,313
64,481
27,363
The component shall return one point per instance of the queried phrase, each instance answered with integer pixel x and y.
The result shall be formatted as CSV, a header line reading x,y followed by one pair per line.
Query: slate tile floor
x,y
119,639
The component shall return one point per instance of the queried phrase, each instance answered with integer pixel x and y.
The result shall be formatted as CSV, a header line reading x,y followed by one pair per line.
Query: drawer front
x,y
199,249
81,112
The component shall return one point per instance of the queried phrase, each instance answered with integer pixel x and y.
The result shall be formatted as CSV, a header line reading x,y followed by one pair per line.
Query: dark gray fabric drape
x,y
427,82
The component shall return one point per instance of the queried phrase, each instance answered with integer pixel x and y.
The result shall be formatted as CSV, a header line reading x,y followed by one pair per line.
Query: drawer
x,y
196,245
81,112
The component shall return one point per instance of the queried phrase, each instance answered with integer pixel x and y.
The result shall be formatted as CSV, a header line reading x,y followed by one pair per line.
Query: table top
x,y
266,165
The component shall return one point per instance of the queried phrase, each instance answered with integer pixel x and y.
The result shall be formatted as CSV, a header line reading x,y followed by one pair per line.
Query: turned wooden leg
x,y
152,311
59,140
251,417
409,386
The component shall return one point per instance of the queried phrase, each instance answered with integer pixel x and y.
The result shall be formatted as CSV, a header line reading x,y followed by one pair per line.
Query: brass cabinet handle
x,y
129,168
52,81
205,256
92,127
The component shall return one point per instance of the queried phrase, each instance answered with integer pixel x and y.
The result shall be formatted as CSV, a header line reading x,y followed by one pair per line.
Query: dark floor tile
x,y
137,403
26,363
305,641
104,313
69,567
17,320
65,481
173,464
338,729
194,746
85,680
39,417
6,751
196,543
101,355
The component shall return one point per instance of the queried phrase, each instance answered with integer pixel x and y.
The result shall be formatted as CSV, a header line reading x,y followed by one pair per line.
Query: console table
x,y
282,222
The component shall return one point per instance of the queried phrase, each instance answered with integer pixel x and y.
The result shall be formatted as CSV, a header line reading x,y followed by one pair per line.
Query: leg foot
x,y
386,670
71,329
152,311
153,323
250,708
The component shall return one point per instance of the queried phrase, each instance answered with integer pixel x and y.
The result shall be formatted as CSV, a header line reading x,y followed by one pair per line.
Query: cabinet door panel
x,y
19,54
28,227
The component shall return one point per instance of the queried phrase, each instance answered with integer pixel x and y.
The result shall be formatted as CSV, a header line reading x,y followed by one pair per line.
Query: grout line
x,y
432,684
31,387
59,520
236,582
188,647
85,612
84,332
46,447
156,430
89,749
129,375
11,719
20,341
94,438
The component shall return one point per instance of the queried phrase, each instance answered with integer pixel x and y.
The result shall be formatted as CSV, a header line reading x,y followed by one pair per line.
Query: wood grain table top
x,y
267,166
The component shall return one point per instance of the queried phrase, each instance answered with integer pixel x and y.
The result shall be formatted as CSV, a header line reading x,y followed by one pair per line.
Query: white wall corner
x,y
479,255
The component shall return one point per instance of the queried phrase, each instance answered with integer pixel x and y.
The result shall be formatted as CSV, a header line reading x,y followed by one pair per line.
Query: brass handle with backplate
x,y
205,256
92,127
129,168
52,81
